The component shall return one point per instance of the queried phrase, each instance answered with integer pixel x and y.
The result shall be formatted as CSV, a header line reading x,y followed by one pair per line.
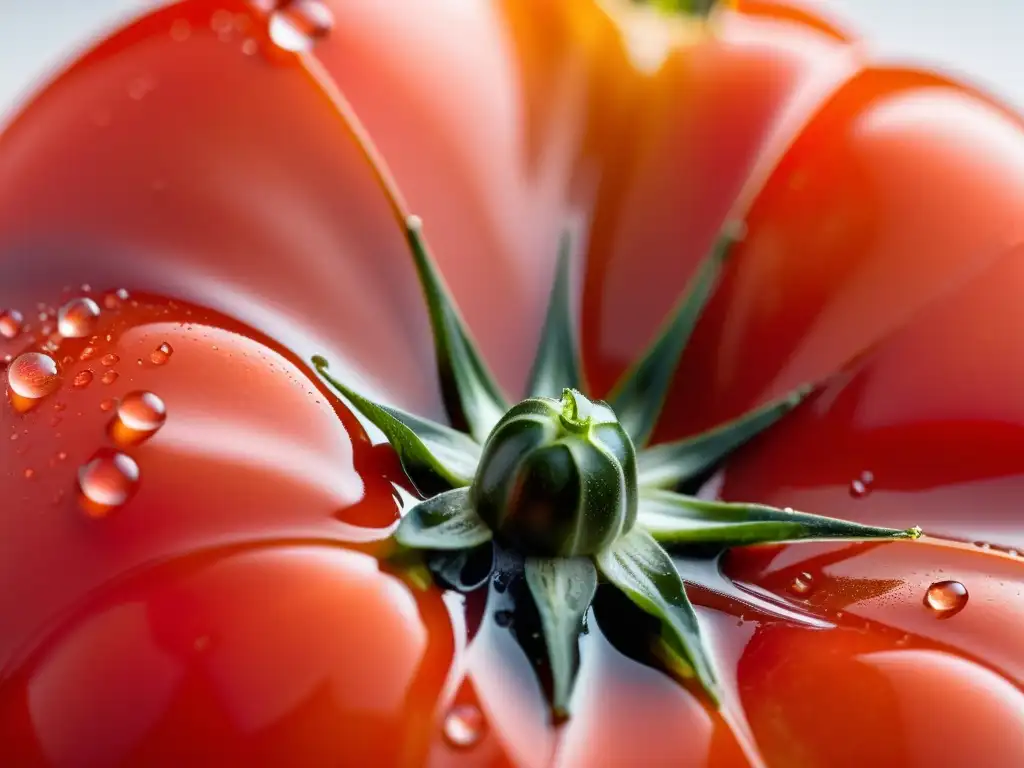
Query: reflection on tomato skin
x,y
303,655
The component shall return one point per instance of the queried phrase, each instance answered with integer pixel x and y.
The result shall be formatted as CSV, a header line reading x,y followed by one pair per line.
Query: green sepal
x,y
644,572
668,464
471,396
672,518
557,364
435,457
638,397
683,7
451,566
445,522
562,589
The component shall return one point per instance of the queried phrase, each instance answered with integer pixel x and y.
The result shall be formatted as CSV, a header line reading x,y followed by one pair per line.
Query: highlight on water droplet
x,y
32,376
802,584
77,318
139,416
106,482
464,726
862,485
946,598
298,25
11,323
82,379
161,354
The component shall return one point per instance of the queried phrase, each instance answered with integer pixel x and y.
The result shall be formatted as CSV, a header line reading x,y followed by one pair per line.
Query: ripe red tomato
x,y
231,611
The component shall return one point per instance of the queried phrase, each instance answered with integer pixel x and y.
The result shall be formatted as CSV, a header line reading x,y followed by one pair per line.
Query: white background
x,y
979,40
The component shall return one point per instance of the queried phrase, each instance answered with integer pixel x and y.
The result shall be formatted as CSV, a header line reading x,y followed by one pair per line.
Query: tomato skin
x,y
253,656
567,127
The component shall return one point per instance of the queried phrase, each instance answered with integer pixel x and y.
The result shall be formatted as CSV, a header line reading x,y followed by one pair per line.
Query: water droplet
x,y
115,299
139,416
250,46
140,87
10,323
33,375
946,598
862,485
109,377
181,30
87,354
77,318
464,726
110,359
503,618
29,473
161,354
300,24
61,455
802,584
107,481
108,404
82,379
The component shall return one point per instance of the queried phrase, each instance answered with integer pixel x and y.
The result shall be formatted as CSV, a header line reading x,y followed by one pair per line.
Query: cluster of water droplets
x,y
108,479
294,26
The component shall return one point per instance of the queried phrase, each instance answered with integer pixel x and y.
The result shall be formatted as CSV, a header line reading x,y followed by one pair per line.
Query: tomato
x,y
230,608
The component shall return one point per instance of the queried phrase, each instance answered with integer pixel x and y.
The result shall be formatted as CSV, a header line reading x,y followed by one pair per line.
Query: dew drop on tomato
x,y
11,323
139,416
464,726
298,25
109,377
110,359
946,598
77,318
802,584
115,299
82,379
161,354
862,485
107,481
33,375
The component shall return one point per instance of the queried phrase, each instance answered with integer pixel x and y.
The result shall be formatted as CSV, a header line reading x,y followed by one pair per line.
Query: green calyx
x,y
569,486
679,7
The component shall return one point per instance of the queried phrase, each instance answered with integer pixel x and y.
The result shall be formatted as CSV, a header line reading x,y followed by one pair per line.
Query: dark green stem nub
x,y
557,478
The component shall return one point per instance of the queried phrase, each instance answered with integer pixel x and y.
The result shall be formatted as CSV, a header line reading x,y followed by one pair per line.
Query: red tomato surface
x,y
231,610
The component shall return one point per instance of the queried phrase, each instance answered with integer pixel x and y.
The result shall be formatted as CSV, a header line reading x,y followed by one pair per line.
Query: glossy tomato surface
x,y
208,591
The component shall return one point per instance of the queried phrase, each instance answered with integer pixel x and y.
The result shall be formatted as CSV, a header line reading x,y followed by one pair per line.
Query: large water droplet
x,y
946,598
33,375
161,354
139,416
802,584
464,726
11,323
298,25
107,481
77,318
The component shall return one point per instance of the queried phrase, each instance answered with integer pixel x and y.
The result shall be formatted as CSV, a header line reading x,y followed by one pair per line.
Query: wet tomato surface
x,y
192,525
